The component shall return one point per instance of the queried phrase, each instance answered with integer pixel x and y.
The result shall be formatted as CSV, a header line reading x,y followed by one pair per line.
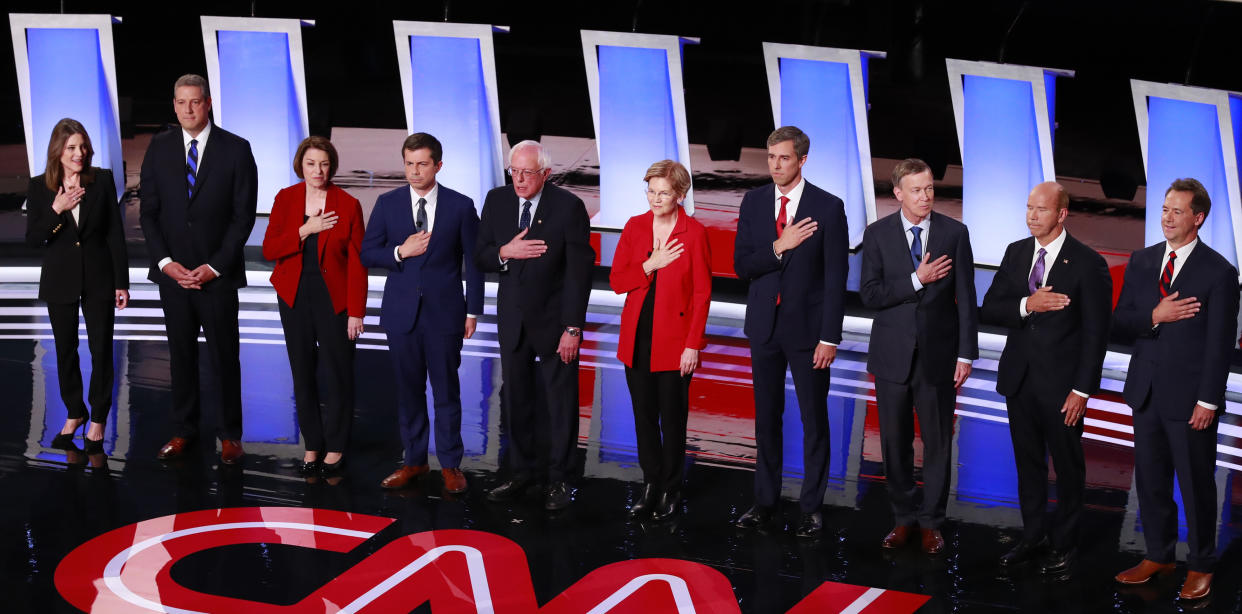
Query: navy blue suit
x,y
810,281
1173,367
424,313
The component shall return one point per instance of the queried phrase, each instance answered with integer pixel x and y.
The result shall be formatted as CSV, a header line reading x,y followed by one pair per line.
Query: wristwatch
x,y
573,331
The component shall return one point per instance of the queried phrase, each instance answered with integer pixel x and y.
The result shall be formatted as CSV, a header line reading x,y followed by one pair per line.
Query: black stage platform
x,y
288,544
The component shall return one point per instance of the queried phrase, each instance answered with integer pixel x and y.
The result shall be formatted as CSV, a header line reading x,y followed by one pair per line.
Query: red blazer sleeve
x,y
627,264
281,239
701,282
355,274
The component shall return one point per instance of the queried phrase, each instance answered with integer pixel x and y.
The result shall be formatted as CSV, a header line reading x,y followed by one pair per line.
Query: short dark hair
x,y
320,143
801,142
53,173
1200,201
909,166
422,140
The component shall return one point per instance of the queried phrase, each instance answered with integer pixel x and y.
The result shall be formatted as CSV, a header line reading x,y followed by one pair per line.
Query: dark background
x,y
352,77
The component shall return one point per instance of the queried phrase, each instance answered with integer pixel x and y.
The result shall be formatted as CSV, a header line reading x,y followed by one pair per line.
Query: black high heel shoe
x,y
93,446
64,441
332,469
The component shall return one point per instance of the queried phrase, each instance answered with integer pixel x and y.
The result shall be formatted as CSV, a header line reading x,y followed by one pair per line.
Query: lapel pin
x,y
1065,261
538,221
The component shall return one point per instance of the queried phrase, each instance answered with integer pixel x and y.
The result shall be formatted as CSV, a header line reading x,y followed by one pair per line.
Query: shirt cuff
x,y
163,263
965,360
396,253
213,270
1081,394
1023,312
822,342
914,279
1208,405
471,315
778,256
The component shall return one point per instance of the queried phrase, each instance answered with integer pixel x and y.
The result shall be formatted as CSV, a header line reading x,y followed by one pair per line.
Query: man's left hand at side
x,y
568,348
1074,408
1202,418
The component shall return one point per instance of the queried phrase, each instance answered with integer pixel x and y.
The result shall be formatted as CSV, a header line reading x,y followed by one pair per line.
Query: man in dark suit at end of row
x,y
1054,295
1179,302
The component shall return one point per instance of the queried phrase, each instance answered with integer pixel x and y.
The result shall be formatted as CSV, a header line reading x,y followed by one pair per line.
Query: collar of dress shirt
x,y
201,138
1182,252
794,196
431,196
906,225
1051,249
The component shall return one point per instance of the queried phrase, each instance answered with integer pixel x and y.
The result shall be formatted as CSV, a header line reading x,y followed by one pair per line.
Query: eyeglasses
x,y
659,196
523,173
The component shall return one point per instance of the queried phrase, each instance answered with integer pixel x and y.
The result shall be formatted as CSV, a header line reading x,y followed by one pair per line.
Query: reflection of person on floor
x,y
536,237
792,247
198,190
1054,295
923,339
662,265
423,234
1179,302
314,234
72,211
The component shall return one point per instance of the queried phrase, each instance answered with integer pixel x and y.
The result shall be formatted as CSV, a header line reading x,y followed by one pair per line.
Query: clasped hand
x,y
190,280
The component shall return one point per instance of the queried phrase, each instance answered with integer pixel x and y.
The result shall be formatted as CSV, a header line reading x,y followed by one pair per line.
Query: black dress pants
x,y
214,311
100,317
1038,430
661,402
525,372
315,334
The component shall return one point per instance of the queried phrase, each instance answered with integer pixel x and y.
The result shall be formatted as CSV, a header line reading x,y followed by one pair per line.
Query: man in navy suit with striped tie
x,y
1179,302
422,233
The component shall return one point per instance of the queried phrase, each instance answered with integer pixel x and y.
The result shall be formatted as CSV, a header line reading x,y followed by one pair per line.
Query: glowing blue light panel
x,y
1184,140
639,115
823,91
450,103
986,472
53,88
257,100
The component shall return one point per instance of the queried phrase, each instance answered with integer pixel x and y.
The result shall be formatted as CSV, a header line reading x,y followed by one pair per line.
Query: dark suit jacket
x,y
338,252
1058,351
547,293
1178,364
210,227
809,278
83,260
428,285
941,316
683,290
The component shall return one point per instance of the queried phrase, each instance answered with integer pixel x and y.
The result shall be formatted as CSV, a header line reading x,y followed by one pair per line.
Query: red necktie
x,y
1166,278
780,229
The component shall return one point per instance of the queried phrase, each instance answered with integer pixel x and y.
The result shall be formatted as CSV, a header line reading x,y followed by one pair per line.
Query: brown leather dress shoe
x,y
454,480
173,449
933,541
1144,571
231,451
403,476
897,537
1197,586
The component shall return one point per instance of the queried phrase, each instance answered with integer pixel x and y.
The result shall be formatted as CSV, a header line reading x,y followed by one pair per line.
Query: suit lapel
x,y
446,214
897,238
1060,269
1187,269
546,204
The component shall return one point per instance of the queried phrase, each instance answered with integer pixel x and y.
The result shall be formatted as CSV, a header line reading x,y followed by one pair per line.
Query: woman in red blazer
x,y
662,266
314,234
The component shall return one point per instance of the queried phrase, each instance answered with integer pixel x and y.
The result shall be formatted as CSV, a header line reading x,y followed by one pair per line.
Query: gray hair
x,y
192,80
545,161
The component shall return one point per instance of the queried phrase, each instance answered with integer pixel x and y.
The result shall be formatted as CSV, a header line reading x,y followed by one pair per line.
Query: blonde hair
x,y
674,172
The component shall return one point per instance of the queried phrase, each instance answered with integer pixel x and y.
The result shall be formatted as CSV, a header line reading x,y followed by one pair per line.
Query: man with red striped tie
x,y
1179,302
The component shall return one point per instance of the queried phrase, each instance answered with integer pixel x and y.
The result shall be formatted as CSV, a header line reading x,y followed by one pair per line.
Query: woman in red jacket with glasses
x,y
662,266
314,234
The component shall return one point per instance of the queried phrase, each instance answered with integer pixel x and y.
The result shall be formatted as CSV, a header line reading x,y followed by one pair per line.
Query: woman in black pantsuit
x,y
314,234
72,211
662,265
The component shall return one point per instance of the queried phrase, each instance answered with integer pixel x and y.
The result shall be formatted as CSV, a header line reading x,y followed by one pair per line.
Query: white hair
x,y
545,161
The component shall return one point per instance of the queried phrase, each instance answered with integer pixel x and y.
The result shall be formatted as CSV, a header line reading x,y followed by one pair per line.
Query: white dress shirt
x,y
186,137
432,198
1183,253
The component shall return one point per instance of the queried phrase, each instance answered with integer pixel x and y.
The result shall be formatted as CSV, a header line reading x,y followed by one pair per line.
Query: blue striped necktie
x,y
191,168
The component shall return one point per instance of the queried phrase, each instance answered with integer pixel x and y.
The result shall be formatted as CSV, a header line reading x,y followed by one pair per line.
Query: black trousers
x,y
1162,449
315,334
214,311
556,383
100,317
661,401
1038,430
768,363
897,404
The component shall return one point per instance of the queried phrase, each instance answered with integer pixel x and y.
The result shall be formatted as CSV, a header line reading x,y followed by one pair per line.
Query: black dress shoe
x,y
1024,551
309,467
332,469
559,497
667,506
755,517
645,503
811,525
508,491
1058,561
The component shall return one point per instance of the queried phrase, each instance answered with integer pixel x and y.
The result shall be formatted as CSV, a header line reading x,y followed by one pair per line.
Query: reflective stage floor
x,y
284,544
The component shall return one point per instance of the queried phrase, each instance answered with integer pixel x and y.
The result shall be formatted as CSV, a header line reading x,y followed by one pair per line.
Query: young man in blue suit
x,y
1179,302
422,234
793,247
918,273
